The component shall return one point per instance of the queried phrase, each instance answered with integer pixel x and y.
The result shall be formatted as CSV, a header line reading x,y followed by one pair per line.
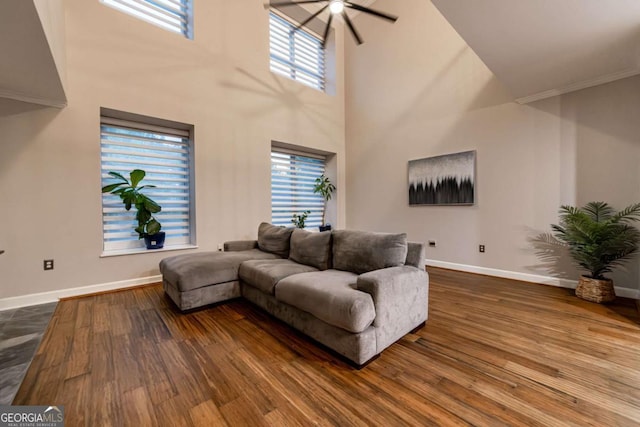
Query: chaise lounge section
x,y
355,292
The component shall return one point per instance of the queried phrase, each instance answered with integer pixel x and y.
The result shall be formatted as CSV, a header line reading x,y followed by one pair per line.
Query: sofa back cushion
x,y
363,251
415,255
311,249
274,239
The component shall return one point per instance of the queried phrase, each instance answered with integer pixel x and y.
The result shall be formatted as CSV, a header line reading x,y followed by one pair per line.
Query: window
x,y
296,54
293,177
172,15
165,155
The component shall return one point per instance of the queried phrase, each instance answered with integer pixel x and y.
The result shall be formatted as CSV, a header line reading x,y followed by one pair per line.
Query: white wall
x,y
220,82
429,94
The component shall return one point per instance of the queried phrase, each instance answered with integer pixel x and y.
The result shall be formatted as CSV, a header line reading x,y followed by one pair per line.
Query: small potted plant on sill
x,y
598,239
130,191
299,220
325,188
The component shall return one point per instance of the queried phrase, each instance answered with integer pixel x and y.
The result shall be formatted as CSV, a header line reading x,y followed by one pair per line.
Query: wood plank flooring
x,y
494,352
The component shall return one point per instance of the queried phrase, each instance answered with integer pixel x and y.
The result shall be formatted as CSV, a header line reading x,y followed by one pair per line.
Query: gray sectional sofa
x,y
355,292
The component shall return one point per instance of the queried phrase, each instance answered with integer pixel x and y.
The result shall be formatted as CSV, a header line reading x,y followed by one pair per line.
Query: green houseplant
x,y
325,188
599,239
130,191
299,220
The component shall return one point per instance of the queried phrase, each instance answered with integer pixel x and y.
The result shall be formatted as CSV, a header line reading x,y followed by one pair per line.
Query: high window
x,y
164,153
293,176
172,15
298,55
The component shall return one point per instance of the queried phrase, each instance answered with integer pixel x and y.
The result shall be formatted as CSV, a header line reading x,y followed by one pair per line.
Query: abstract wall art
x,y
443,180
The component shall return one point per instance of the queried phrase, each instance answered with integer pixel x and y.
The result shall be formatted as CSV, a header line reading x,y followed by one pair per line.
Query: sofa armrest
x,y
240,245
400,296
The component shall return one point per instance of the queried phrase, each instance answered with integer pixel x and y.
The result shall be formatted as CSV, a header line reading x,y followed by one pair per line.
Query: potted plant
x,y
598,239
325,188
130,191
299,220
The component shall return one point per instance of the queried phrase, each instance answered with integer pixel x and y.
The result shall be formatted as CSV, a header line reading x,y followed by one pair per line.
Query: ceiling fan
x,y
335,7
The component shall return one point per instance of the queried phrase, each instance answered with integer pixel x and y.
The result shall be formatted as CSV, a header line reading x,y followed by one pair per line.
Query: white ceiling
x,y
543,48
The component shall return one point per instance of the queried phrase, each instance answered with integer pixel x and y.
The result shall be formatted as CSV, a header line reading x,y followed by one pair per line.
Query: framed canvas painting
x,y
443,180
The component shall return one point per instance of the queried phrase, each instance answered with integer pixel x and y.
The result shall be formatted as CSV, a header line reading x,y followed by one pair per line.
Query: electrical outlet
x,y
481,248
48,264
432,243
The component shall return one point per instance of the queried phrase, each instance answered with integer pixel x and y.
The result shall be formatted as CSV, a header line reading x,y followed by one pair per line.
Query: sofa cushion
x,y
274,239
193,271
265,274
362,251
415,255
330,296
311,248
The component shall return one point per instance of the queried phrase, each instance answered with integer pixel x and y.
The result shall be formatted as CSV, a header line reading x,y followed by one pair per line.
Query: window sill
x,y
137,251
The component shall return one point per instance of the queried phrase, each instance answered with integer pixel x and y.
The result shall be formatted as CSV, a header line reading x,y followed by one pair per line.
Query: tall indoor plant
x,y
599,239
325,188
130,191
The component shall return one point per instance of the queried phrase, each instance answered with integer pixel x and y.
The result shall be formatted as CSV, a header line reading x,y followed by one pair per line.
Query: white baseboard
x,y
525,277
53,296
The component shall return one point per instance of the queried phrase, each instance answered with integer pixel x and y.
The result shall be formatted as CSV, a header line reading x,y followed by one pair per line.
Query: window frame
x,y
299,56
180,163
300,188
162,16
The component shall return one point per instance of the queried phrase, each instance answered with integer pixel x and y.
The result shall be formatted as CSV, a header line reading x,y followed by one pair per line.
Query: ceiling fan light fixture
x,y
336,6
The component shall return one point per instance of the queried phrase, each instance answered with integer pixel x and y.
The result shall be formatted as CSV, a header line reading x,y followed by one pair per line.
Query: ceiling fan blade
x,y
291,3
326,30
354,33
371,11
306,21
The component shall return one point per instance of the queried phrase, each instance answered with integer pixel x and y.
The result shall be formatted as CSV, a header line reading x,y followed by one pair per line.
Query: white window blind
x,y
165,155
293,177
296,54
172,15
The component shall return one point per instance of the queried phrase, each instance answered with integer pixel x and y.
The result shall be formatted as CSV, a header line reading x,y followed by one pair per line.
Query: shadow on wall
x,y
277,97
554,257
601,123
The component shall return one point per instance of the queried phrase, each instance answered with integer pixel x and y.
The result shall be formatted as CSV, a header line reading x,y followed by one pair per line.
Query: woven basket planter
x,y
595,290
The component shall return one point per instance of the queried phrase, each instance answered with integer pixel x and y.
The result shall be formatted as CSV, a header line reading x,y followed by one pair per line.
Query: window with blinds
x,y
293,177
165,155
172,15
296,54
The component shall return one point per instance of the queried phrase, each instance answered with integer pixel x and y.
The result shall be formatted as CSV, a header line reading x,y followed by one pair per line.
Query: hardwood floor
x,y
494,352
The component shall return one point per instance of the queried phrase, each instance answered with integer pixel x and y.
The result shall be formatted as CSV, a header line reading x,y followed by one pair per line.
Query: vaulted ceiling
x,y
543,48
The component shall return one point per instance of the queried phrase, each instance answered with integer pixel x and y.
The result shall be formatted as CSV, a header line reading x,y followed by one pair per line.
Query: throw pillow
x,y
274,239
311,248
362,251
